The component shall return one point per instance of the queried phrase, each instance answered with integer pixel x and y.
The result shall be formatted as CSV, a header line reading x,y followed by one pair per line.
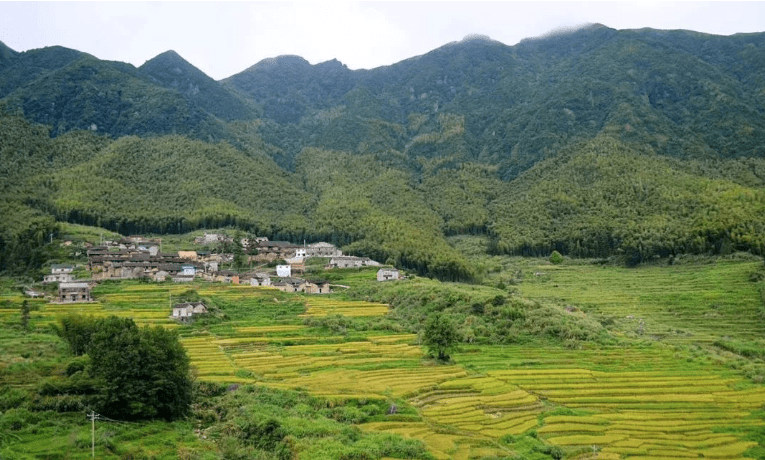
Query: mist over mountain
x,y
472,137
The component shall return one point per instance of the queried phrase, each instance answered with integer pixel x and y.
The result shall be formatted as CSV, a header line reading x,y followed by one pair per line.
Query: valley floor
x,y
665,386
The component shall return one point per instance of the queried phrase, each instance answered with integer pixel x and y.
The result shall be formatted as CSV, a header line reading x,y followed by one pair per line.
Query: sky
x,y
225,38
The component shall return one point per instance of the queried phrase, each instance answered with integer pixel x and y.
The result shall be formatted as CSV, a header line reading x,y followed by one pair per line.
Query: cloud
x,y
223,38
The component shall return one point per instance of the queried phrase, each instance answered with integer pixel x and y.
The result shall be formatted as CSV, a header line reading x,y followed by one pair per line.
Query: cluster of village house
x,y
138,257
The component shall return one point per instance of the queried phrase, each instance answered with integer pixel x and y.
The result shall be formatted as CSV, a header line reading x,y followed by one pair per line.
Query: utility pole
x,y
92,418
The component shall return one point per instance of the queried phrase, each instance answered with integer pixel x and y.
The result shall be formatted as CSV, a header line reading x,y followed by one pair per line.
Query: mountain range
x,y
596,143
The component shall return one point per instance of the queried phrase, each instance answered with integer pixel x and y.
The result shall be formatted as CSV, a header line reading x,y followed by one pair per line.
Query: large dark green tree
x,y
440,336
142,373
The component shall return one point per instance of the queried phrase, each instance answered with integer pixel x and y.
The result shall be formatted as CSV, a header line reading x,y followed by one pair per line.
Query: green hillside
x,y
604,198
634,144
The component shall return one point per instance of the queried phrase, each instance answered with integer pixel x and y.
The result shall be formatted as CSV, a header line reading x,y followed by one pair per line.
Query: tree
x,y
25,315
556,258
142,372
76,330
440,336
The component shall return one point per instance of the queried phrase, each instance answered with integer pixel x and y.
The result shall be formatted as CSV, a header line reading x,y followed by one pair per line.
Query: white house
x,y
387,274
283,271
59,273
56,269
188,270
58,278
184,311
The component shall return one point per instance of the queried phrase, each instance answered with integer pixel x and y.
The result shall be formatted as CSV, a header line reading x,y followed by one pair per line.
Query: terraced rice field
x,y
643,400
643,404
443,445
141,316
323,306
208,359
686,303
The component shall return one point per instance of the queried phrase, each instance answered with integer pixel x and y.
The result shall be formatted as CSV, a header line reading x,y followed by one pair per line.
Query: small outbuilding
x,y
185,311
34,294
387,274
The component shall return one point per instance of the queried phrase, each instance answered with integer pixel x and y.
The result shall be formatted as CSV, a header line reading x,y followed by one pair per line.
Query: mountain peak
x,y
6,53
289,60
477,38
172,71
167,58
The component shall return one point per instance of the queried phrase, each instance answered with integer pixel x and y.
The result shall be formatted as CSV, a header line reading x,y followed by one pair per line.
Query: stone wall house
x,y
211,267
387,274
290,285
74,292
251,243
351,262
323,250
257,279
227,276
297,265
128,264
281,249
137,243
185,311
317,287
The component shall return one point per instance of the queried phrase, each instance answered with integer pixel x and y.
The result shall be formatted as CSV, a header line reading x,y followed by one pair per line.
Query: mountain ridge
x,y
171,71
472,137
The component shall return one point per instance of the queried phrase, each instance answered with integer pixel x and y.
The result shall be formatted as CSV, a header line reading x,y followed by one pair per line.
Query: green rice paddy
x,y
646,396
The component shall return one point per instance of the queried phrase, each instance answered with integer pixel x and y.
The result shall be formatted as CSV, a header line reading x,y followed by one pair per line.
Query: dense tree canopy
x,y
139,373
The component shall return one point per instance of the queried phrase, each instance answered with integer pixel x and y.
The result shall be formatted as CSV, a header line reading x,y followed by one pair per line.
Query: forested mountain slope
x,y
173,72
69,90
634,143
604,197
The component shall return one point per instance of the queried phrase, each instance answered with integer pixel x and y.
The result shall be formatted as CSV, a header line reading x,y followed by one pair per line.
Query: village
x,y
270,264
